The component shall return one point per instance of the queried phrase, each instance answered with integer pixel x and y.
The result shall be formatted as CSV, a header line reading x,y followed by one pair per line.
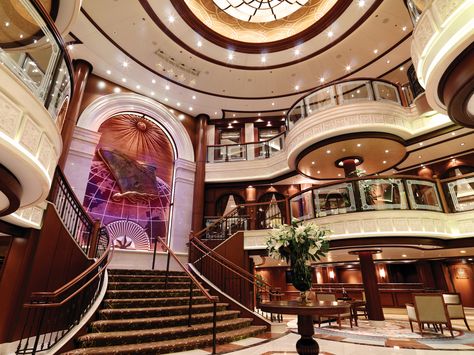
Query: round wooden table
x,y
306,345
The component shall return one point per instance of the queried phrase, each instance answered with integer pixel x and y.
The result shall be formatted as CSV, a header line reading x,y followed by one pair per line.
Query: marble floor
x,y
284,343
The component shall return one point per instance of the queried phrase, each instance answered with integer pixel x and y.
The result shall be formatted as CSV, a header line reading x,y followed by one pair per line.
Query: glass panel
x,y
236,152
275,145
321,100
260,150
386,92
302,206
230,136
334,200
296,113
269,216
354,91
423,195
462,194
60,91
382,194
216,154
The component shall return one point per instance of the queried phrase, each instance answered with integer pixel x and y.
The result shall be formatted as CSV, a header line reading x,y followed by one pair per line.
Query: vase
x,y
301,276
304,297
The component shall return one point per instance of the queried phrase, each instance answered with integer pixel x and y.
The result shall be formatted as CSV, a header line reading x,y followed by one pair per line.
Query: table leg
x,y
354,315
306,345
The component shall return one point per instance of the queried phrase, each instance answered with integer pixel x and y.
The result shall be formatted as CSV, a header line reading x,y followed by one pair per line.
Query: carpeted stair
x,y
140,316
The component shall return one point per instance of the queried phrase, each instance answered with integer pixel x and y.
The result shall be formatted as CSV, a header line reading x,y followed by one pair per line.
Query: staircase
x,y
140,316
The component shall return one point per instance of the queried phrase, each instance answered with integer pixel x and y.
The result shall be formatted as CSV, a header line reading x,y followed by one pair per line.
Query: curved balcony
x,y
343,93
442,55
36,76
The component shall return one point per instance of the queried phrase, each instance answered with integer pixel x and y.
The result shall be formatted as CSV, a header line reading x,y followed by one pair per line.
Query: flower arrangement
x,y
298,244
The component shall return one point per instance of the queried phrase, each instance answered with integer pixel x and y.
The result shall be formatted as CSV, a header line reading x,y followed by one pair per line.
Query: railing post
x,y
442,196
94,240
190,301
214,326
167,270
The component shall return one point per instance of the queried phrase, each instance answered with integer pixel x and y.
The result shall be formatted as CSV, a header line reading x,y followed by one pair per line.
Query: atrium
x,y
157,157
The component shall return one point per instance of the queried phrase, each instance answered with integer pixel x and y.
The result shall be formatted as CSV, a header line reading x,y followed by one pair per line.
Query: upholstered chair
x,y
331,297
428,308
455,308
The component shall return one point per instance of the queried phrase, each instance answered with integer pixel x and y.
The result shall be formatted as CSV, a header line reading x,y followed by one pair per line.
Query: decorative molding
x,y
442,33
109,105
30,217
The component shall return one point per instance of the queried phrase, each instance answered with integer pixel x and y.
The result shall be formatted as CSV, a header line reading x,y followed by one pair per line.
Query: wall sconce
x,y
382,273
331,275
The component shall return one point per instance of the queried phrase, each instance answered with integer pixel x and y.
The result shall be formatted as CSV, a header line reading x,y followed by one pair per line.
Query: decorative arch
x,y
228,201
109,105
273,214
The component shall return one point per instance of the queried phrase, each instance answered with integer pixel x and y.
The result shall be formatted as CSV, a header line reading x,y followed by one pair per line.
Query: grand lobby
x,y
157,157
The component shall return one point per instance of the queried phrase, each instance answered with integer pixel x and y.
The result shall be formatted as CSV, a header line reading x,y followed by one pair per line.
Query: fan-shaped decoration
x,y
128,235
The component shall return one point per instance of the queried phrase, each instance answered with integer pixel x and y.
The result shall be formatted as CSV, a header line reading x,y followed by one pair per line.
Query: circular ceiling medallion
x,y
259,10
254,22
376,154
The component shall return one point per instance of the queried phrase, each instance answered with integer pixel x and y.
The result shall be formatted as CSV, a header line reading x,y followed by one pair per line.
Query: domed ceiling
x,y
199,56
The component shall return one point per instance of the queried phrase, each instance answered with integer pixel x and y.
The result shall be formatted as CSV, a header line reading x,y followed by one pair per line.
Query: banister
x,y
203,231
248,143
454,178
191,276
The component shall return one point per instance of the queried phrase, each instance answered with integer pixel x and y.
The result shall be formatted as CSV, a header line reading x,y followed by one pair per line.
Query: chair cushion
x,y
455,311
411,312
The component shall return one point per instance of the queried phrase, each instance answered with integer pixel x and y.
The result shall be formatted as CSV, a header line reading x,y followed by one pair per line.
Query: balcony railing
x,y
37,55
343,93
245,151
459,191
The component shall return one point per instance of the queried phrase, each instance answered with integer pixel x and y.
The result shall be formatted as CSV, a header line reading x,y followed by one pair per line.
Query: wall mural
x,y
129,186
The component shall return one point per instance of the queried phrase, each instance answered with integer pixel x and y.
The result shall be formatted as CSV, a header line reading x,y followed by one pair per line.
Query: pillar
x,y
250,197
200,175
249,137
371,288
82,69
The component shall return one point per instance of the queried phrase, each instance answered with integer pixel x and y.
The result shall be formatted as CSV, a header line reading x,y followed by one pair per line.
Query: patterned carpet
x,y
393,333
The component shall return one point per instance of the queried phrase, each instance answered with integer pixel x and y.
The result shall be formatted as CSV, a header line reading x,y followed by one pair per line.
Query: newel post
x,y
92,253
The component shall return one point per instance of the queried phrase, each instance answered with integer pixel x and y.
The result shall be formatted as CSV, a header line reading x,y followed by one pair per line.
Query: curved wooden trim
x,y
12,189
268,47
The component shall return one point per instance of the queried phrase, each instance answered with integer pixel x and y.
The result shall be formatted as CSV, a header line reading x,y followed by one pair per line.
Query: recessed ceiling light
x,y
263,59
361,3
297,52
321,79
273,104
284,112
359,145
171,19
318,172
230,56
178,104
297,87
108,72
462,144
167,87
101,84
328,151
453,133
376,51
138,86
235,121
313,162
401,68
233,115
152,93
419,156
124,80
348,67
386,150
420,144
215,113
125,64
171,110
339,175
384,162
190,108
153,81
194,97
199,43
404,255
166,99
21,36
117,90
181,117
404,28
259,114
7,24
330,34
462,251
70,46
388,61
283,119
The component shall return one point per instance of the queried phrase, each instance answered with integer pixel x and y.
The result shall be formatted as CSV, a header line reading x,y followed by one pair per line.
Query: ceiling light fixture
x,y
152,93
171,19
401,68
125,64
297,52
190,108
404,28
117,90
348,67
328,151
153,81
167,87
297,87
194,97
361,3
263,59
178,104
321,79
199,43
376,51
108,72
138,86
101,85
181,117
166,99
230,56
124,80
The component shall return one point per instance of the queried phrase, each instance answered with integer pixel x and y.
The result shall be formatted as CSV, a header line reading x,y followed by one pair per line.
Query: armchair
x,y
428,308
330,297
455,307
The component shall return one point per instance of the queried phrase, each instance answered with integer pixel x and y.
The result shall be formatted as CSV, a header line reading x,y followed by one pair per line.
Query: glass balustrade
x,y
33,51
247,151
460,193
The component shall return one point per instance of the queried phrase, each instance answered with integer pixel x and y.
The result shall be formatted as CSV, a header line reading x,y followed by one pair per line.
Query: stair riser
x,y
147,286
150,294
145,272
125,278
158,324
151,303
155,313
145,338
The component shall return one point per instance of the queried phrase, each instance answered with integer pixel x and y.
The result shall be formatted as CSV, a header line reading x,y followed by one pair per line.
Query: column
x,y
371,288
250,197
82,69
79,159
200,176
249,137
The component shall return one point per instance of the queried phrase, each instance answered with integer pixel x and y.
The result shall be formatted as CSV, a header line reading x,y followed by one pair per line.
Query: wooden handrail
x,y
191,276
248,143
202,231
459,177
230,265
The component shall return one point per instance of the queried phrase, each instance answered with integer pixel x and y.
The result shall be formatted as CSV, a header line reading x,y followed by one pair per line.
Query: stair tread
x,y
143,299
147,309
169,345
144,332
151,291
158,319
